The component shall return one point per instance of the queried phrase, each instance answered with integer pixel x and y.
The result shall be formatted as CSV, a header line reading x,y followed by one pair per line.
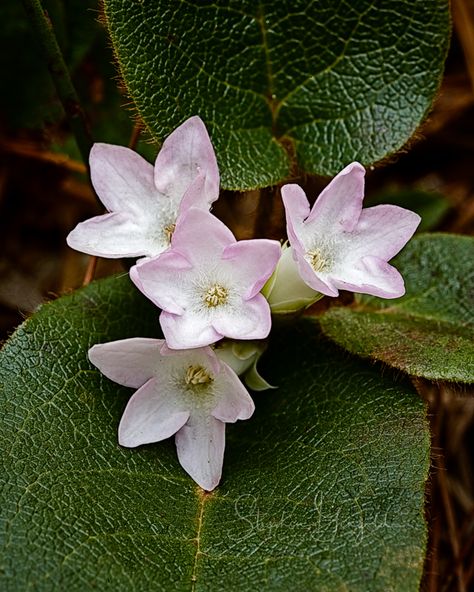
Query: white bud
x,y
285,291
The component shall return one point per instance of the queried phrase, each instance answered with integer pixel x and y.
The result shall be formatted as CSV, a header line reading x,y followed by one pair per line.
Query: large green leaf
x,y
428,332
331,81
322,489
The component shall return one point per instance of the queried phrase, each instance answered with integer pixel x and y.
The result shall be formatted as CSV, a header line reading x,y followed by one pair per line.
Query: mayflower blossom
x,y
190,393
339,246
208,284
144,202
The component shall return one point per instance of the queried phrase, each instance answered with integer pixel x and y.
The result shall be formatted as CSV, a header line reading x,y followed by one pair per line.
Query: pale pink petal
x,y
322,284
253,262
122,178
151,415
130,362
234,401
200,445
370,275
252,320
193,195
297,210
185,153
383,230
163,280
340,203
204,356
111,235
200,236
133,273
187,330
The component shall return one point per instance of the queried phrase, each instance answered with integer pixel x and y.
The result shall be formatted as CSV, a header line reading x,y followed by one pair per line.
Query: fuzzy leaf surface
x,y
321,83
322,488
429,332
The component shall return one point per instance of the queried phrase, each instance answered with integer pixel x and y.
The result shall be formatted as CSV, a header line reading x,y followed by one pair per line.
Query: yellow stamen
x,y
197,375
168,230
216,295
318,263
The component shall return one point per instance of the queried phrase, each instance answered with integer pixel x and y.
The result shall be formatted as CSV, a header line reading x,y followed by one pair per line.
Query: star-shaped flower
x,y
208,284
339,246
190,393
144,201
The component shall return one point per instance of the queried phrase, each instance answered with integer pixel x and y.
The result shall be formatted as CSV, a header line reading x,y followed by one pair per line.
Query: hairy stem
x,y
60,75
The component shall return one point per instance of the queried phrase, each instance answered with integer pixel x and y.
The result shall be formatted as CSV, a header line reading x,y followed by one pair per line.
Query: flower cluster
x,y
209,286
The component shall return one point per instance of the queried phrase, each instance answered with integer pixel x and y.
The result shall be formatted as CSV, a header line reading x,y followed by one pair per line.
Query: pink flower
x,y
208,284
145,201
339,246
190,393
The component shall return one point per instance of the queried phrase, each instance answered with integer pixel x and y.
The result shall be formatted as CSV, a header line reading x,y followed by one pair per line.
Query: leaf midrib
x,y
202,498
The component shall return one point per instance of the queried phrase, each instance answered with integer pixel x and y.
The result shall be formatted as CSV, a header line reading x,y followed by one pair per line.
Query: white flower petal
x,y
297,210
383,230
193,197
250,320
130,362
340,203
201,237
111,235
234,402
200,445
122,179
371,275
187,330
162,279
151,415
316,281
186,153
252,262
202,356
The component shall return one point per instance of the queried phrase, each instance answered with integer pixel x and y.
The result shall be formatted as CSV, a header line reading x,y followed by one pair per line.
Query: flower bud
x,y
242,357
285,291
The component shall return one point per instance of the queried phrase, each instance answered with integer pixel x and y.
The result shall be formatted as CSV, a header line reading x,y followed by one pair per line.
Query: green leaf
x,y
429,332
328,82
322,488
431,206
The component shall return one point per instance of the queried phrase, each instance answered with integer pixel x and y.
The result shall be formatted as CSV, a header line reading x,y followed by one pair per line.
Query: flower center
x,y
168,231
197,375
216,295
317,261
